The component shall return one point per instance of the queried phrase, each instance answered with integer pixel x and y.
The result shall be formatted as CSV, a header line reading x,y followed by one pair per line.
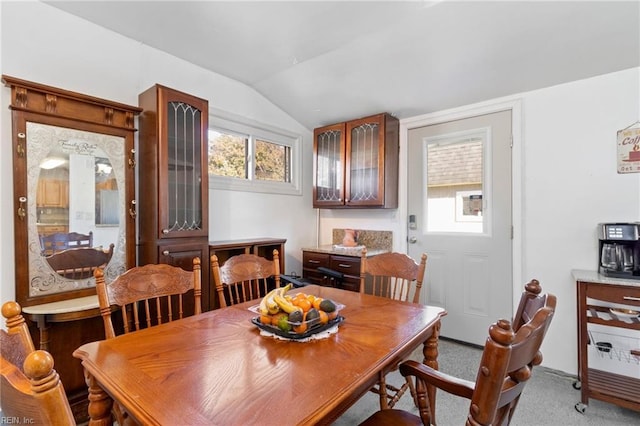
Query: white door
x,y
459,206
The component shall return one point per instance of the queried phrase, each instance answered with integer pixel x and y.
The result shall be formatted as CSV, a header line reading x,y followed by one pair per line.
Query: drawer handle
x,y
637,299
343,265
313,261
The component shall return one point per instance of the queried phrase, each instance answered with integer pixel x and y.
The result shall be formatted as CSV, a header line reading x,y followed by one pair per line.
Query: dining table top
x,y
216,368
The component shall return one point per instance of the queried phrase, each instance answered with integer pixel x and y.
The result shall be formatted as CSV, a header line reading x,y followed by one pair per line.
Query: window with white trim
x,y
248,156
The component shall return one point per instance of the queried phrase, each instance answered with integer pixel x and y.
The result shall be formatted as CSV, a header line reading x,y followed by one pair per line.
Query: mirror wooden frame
x,y
37,103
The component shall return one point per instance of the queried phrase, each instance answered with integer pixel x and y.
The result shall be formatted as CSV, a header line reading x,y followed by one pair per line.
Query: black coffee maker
x,y
619,253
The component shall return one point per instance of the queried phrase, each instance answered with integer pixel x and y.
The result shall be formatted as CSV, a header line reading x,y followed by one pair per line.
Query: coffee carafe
x,y
619,250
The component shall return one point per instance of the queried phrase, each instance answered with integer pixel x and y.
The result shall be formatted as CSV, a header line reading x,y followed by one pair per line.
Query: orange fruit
x,y
316,302
311,298
304,304
324,317
265,319
300,328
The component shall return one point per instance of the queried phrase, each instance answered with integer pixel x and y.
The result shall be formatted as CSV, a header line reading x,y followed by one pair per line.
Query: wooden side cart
x,y
608,340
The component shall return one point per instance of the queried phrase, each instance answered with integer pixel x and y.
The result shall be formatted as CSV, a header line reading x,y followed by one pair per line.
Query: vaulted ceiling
x,y
329,61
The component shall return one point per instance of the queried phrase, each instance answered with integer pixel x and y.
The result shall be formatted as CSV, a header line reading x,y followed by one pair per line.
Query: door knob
x,y
413,240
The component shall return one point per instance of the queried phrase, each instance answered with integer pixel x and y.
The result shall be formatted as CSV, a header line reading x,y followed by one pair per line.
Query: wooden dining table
x,y
217,369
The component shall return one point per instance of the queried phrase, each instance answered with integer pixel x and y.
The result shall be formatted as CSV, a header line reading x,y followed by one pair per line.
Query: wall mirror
x,y
74,192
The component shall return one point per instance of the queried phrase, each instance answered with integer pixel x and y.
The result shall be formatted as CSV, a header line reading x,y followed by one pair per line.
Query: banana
x,y
282,290
284,304
272,306
267,304
263,306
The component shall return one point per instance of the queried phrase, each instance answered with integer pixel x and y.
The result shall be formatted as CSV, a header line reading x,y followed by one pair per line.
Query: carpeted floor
x,y
548,399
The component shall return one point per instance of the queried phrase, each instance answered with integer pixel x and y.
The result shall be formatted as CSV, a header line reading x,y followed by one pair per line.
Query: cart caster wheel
x,y
577,384
580,407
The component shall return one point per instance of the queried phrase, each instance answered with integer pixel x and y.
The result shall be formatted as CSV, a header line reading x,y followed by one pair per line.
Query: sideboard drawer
x,y
312,260
346,265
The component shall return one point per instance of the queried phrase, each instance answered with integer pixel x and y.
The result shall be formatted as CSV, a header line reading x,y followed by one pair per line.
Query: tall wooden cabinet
x,y
355,164
173,215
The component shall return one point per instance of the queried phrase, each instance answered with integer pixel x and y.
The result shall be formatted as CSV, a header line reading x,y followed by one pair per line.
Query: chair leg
x,y
394,394
382,391
412,390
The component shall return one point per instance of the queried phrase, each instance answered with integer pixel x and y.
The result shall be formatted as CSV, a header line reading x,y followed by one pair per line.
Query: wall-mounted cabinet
x,y
52,193
355,164
174,198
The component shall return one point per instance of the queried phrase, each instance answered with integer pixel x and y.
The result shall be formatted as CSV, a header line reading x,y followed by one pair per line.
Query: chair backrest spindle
x,y
245,277
142,292
392,275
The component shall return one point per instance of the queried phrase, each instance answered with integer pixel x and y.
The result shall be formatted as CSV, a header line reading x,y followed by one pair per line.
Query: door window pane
x,y
455,184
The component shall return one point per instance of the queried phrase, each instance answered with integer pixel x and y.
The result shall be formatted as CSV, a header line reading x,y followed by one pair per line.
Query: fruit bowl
x,y
296,316
319,328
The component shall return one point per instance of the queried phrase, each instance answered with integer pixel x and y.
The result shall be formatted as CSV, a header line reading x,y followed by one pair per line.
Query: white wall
x,y
570,184
42,44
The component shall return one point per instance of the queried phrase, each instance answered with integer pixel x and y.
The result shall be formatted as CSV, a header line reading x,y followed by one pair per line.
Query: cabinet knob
x,y
165,231
165,252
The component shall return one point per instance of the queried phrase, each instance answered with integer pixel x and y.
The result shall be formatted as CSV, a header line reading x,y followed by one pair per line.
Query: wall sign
x,y
629,149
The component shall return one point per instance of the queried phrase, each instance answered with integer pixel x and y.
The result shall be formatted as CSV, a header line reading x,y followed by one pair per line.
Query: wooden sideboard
x,y
345,261
224,249
608,342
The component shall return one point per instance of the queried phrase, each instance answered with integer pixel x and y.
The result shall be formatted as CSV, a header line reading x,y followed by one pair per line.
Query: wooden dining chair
x,y
148,295
531,301
31,389
395,276
506,365
245,277
79,263
54,243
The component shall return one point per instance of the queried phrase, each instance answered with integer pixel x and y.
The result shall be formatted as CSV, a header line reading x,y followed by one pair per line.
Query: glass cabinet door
x,y
328,165
365,162
182,201
184,143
